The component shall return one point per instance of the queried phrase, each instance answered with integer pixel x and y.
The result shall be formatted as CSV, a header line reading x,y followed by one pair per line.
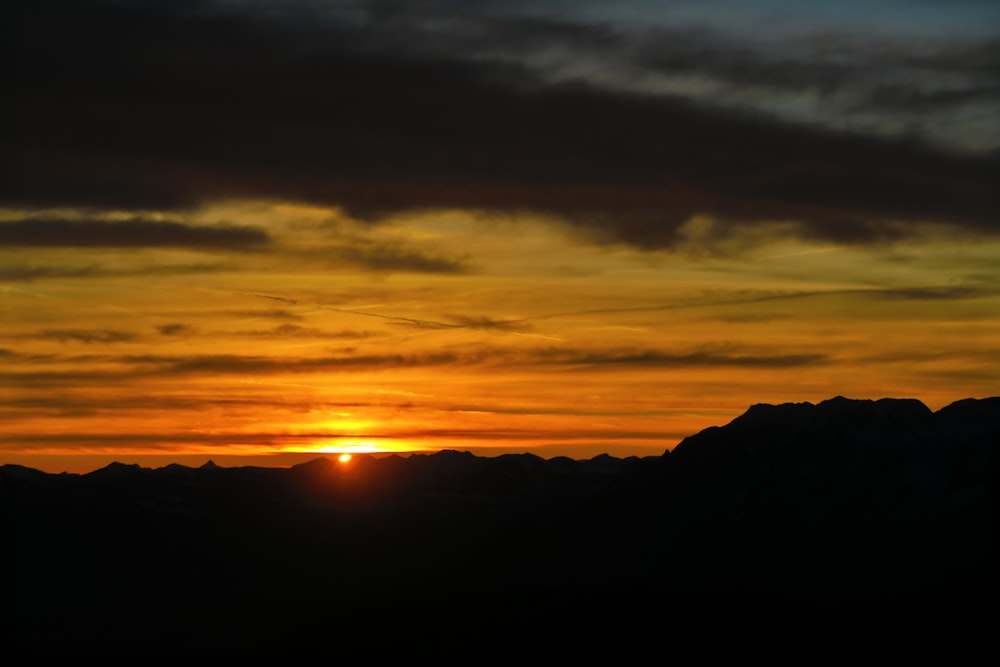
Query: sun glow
x,y
349,447
344,458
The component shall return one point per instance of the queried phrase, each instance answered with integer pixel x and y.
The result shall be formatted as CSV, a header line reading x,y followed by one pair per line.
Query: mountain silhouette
x,y
848,524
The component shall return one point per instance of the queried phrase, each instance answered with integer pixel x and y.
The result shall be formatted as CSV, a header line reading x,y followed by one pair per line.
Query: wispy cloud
x,y
488,323
295,331
221,364
175,329
280,299
449,322
74,404
273,314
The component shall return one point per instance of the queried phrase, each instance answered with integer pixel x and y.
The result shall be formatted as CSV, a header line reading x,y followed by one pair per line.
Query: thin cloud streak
x,y
32,272
703,301
84,335
295,331
217,365
134,233
700,359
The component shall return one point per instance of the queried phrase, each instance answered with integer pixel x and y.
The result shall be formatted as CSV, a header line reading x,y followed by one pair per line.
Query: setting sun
x,y
344,458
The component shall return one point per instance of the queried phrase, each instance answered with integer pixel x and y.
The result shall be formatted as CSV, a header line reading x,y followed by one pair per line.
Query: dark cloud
x,y
75,403
176,329
966,58
528,435
708,54
488,323
577,410
389,258
43,359
164,441
913,98
134,233
419,29
945,293
138,366
282,299
85,335
896,76
696,359
171,105
221,364
30,272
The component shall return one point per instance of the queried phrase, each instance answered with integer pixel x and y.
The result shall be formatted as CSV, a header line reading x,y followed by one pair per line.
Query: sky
x,y
260,232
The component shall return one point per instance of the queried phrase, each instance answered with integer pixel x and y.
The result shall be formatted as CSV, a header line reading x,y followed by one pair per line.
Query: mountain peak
x,y
839,422
318,465
117,468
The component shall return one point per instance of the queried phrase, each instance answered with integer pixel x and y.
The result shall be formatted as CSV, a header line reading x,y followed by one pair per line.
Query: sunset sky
x,y
256,232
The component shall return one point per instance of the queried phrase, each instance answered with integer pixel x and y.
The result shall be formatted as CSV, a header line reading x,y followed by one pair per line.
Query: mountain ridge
x,y
795,526
847,419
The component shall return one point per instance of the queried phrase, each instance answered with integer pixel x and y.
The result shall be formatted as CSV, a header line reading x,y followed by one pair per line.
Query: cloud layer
x,y
173,105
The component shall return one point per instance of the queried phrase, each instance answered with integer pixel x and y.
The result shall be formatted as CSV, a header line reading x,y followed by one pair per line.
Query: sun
x,y
344,458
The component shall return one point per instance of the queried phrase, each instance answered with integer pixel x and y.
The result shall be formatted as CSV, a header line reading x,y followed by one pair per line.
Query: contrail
x,y
427,324
814,251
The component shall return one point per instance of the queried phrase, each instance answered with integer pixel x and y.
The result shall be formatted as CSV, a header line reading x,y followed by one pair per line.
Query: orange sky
x,y
541,344
252,264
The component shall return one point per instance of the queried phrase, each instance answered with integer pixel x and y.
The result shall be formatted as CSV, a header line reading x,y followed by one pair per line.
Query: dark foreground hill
x,y
843,526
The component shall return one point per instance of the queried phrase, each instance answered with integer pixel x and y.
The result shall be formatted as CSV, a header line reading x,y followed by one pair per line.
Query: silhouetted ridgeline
x,y
843,525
